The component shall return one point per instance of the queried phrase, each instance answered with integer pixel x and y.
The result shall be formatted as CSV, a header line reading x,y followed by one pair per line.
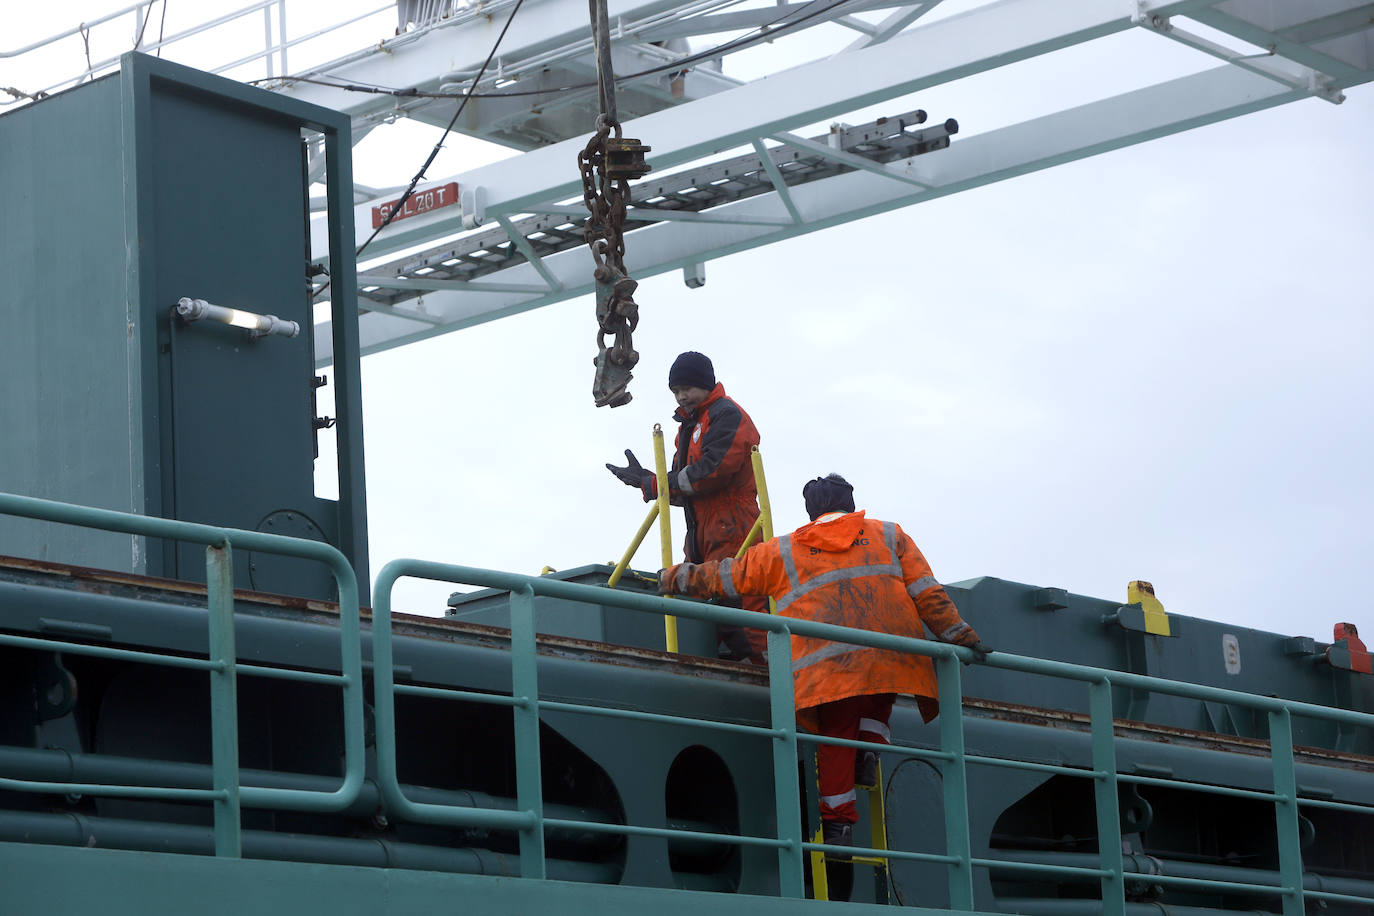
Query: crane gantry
x,y
729,93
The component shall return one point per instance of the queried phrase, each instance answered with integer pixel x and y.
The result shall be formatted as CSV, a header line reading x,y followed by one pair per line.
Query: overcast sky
x,y
1152,364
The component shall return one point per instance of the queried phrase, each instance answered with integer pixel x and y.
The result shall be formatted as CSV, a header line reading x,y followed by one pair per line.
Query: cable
x,y
765,33
161,27
437,146
138,39
745,40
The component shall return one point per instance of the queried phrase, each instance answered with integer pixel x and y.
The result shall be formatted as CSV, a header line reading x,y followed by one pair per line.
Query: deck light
x,y
256,325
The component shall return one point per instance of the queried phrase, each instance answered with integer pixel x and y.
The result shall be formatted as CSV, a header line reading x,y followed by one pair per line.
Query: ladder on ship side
x,y
690,194
877,823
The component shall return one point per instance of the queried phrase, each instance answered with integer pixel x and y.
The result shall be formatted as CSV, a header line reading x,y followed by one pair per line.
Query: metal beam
x,y
893,24
1087,130
960,46
849,159
422,61
709,24
779,183
1257,24
427,285
522,243
653,214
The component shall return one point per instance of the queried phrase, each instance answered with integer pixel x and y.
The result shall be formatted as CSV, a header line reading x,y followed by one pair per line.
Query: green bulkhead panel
x,y
71,362
152,185
227,228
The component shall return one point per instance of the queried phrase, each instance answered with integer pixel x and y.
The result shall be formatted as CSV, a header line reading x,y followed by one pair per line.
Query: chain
x,y
617,314
607,163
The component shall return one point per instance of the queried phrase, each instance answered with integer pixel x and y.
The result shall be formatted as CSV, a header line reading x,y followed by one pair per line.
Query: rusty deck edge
x,y
447,629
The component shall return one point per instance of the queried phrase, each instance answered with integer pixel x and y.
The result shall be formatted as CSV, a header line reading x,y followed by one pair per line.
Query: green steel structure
x,y
124,196
532,821
199,712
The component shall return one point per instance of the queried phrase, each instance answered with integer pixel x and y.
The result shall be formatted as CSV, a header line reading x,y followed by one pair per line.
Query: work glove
x,y
633,474
980,650
665,580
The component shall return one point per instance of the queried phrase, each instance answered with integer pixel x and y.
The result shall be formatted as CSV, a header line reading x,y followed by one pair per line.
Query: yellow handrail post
x,y
634,545
765,520
665,533
750,537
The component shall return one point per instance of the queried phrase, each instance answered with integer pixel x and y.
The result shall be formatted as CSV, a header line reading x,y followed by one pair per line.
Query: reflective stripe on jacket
x,y
712,477
847,570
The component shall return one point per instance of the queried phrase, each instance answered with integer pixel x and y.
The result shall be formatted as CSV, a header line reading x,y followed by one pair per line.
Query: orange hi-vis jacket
x,y
847,570
712,477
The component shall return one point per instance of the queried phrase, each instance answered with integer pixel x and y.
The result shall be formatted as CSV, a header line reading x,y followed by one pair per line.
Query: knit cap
x,y
831,493
692,369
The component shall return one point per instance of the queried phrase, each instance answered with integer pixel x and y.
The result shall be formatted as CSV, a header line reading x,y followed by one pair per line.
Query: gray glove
x,y
633,474
980,650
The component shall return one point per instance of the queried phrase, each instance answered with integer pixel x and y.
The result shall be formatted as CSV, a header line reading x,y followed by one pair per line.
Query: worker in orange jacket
x,y
843,568
712,479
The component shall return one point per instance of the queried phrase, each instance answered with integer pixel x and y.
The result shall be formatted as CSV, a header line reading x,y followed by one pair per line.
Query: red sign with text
x,y
419,202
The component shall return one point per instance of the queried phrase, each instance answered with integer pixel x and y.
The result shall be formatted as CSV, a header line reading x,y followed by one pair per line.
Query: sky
x,y
1151,364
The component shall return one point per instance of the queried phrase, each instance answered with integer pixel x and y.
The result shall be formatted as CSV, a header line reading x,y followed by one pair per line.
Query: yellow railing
x,y
763,526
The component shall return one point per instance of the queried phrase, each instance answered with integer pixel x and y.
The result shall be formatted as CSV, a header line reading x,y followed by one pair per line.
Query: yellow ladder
x,y
877,822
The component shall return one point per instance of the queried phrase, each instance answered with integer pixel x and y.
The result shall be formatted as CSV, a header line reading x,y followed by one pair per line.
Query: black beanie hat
x,y
831,493
692,369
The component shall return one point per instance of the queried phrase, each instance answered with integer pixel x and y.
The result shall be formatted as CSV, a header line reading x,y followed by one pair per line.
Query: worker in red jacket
x,y
712,479
846,569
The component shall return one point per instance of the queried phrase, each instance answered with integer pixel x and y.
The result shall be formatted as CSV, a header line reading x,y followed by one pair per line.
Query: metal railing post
x,y
629,555
1104,794
1286,810
221,662
529,791
224,725
665,533
955,781
281,35
765,520
791,882
267,38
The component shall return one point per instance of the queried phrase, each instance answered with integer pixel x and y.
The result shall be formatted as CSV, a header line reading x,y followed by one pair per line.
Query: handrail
x,y
222,664
529,819
72,31
665,528
789,841
272,48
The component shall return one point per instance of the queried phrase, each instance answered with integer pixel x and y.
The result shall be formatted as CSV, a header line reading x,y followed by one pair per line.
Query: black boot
x,y
866,769
837,833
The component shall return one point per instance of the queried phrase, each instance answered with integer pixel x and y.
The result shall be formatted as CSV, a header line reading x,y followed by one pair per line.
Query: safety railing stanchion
x,y
634,546
781,731
224,726
762,529
955,780
765,522
761,484
1286,810
1104,794
220,662
784,720
529,791
665,533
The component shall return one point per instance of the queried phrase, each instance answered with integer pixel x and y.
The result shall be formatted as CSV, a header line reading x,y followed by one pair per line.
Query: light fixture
x,y
256,325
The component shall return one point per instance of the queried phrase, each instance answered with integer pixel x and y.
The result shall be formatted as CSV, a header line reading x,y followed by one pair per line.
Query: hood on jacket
x,y
832,536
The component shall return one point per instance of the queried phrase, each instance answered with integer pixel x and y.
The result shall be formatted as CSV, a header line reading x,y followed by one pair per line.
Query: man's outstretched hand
x,y
633,474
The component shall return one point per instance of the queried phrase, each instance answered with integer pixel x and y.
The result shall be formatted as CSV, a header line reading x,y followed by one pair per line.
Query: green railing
x,y
226,793
530,822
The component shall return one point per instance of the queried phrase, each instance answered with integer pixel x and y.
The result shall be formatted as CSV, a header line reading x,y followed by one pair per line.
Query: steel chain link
x,y
617,314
